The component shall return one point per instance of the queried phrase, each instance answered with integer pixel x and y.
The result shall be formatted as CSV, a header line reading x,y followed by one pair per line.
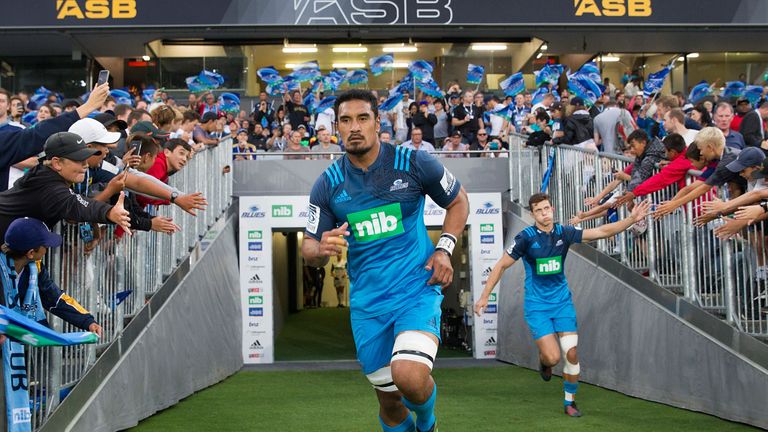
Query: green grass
x,y
476,399
323,334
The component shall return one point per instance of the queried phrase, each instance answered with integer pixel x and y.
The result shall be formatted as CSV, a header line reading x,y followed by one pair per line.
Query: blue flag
x,y
29,118
381,64
391,102
306,71
475,74
584,87
326,103
421,69
277,88
148,93
538,95
549,74
122,97
753,93
513,85
229,103
357,76
40,97
733,90
291,83
430,88
310,101
655,82
204,81
406,84
699,92
268,74
590,70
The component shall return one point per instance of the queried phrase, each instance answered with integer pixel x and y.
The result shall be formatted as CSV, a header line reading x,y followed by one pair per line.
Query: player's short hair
x,y
357,94
537,198
674,142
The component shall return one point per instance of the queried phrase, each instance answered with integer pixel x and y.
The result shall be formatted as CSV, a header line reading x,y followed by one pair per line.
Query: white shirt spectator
x,y
497,122
326,119
425,146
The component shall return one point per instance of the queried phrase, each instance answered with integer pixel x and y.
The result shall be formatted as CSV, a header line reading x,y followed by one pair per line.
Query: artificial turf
x,y
473,399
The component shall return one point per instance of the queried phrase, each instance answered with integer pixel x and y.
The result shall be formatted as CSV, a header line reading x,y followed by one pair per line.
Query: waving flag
x,y
40,97
753,93
326,103
30,332
357,76
699,92
591,70
291,82
430,88
381,64
421,69
268,74
334,80
391,102
733,90
406,84
655,82
549,74
277,88
29,118
229,103
475,74
204,81
148,93
538,95
122,97
513,85
306,72
501,111
585,87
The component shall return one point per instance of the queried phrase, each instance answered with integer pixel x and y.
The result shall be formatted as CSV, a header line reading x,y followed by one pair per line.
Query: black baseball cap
x,y
108,118
28,233
749,157
150,130
68,146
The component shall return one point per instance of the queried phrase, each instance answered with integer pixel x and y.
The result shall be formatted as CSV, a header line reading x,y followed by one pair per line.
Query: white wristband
x,y
447,243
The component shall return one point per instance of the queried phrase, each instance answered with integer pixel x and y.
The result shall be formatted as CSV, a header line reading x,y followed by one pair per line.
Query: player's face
x,y
542,213
358,126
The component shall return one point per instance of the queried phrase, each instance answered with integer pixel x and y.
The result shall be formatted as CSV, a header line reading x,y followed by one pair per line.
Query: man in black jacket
x,y
44,192
425,121
17,145
752,125
578,128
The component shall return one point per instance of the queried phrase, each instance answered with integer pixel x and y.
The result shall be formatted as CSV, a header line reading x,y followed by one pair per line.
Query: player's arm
x,y
638,213
322,238
317,253
501,266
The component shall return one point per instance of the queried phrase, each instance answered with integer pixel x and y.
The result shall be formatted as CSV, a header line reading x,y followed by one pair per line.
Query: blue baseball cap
x,y
749,157
28,233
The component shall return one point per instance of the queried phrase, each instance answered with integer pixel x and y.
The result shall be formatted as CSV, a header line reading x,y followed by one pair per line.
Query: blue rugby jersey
x,y
388,242
544,257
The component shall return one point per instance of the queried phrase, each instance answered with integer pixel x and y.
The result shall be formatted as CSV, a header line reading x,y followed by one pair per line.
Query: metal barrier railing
x,y
115,280
726,277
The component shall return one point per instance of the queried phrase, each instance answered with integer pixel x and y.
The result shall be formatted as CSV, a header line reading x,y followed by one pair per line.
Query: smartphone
x,y
136,146
103,77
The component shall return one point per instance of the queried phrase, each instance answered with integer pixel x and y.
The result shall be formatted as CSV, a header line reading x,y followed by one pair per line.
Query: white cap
x,y
92,131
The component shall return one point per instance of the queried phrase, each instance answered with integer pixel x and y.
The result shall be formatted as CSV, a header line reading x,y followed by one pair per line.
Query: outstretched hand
x,y
641,210
120,216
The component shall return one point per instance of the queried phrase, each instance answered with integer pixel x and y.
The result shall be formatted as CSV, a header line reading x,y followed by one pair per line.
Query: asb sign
x,y
613,8
311,12
95,9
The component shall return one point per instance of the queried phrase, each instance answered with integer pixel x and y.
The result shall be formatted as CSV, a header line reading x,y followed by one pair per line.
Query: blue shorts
x,y
560,318
375,336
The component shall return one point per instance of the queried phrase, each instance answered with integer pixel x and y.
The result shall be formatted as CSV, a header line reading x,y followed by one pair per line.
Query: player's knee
x,y
382,380
550,358
413,357
568,344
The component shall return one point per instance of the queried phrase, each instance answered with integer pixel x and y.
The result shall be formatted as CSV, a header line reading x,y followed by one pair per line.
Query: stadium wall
x,y
641,340
186,339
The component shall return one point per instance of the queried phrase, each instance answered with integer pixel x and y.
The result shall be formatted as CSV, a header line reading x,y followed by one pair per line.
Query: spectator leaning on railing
x,y
44,192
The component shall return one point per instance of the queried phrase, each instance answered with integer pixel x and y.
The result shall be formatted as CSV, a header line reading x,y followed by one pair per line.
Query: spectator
x,y
545,103
109,104
701,116
45,112
599,106
326,119
258,138
498,123
674,123
520,113
723,116
21,144
202,132
753,126
324,144
425,121
209,105
71,105
743,106
171,160
297,112
454,144
26,242
417,141
294,146
263,115
480,142
189,121
43,193
385,137
578,128
443,122
280,119
242,149
163,117
605,126
339,269
149,128
467,118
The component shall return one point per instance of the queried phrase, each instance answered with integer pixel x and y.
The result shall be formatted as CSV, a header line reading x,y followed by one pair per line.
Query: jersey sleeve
x,y
518,247
436,181
321,217
572,234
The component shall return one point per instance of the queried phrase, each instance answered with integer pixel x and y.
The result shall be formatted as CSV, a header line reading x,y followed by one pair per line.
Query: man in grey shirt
x,y
441,127
605,128
324,144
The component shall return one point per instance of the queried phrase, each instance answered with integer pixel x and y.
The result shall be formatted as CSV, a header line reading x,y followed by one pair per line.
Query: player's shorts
x,y
375,336
560,318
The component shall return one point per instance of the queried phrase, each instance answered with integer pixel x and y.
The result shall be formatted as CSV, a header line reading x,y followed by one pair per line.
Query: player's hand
x,y
749,213
332,242
641,210
442,271
622,200
481,304
730,228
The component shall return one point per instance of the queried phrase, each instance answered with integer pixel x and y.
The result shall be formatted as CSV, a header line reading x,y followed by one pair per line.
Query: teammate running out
x,y
372,200
549,310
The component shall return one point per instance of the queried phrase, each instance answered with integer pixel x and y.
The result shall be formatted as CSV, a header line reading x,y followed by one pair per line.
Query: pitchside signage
x,y
111,13
259,216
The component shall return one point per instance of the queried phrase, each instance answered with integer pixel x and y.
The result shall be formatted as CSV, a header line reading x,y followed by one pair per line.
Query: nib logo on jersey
x,y
253,212
433,209
488,209
377,223
549,266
